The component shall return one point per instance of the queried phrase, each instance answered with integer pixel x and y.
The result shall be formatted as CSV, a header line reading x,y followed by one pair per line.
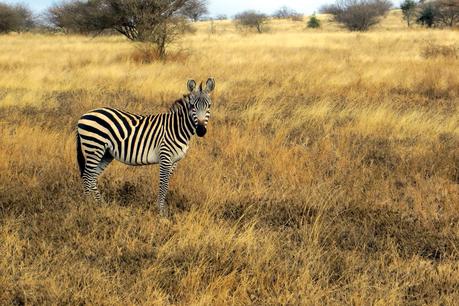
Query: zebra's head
x,y
200,104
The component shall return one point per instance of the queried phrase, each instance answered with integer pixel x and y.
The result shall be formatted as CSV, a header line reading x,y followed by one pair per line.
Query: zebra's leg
x,y
165,166
174,166
90,183
106,160
92,171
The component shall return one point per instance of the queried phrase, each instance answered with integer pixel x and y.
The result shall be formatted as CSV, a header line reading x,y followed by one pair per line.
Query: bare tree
x,y
357,15
195,9
287,13
252,19
15,18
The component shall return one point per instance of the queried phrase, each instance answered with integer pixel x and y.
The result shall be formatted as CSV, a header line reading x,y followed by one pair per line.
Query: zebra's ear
x,y
210,85
191,84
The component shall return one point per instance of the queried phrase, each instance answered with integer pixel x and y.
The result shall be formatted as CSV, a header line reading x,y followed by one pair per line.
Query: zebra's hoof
x,y
164,213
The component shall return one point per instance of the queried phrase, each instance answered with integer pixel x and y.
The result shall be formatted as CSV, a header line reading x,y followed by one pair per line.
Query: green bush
x,y
313,22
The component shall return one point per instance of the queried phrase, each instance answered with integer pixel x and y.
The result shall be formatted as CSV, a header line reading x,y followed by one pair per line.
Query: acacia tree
x,y
195,9
15,18
251,19
357,15
158,22
447,12
408,8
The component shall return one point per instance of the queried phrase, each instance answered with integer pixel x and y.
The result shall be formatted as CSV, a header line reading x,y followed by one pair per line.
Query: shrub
x,y
439,13
357,15
147,53
288,13
427,15
252,19
15,18
313,22
432,50
408,8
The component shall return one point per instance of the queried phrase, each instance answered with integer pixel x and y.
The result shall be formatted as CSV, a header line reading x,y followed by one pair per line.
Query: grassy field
x,y
329,174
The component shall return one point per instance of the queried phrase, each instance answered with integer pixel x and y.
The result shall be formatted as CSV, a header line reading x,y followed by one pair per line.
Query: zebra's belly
x,y
179,154
153,156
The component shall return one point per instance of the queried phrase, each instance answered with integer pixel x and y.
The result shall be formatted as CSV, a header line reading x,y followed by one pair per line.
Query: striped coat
x,y
106,134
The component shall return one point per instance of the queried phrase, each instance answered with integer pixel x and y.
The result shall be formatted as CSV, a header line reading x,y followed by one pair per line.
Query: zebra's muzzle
x,y
201,130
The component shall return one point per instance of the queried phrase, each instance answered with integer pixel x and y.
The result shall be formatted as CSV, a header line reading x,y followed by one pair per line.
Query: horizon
x,y
220,7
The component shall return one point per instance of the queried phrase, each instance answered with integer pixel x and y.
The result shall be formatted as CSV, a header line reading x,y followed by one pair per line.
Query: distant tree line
x,y
361,15
256,20
160,22
437,13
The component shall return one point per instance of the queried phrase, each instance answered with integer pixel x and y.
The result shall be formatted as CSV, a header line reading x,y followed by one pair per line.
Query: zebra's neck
x,y
180,112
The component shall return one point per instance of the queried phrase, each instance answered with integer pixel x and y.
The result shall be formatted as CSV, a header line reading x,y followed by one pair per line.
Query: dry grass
x,y
433,50
329,174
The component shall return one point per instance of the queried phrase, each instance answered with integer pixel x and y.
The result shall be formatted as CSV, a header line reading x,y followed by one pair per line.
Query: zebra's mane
x,y
179,104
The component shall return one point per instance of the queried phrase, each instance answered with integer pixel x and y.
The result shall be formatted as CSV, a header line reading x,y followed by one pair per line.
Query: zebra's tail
x,y
80,156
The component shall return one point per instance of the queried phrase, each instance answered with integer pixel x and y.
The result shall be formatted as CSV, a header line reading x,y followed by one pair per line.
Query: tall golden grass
x,y
329,174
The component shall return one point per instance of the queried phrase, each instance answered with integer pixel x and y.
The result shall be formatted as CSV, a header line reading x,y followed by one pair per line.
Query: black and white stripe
x,y
105,134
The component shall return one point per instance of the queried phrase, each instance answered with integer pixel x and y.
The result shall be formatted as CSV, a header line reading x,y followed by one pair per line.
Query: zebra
x,y
105,134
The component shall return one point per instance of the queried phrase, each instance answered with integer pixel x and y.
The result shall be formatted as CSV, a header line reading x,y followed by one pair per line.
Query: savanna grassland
x,y
329,174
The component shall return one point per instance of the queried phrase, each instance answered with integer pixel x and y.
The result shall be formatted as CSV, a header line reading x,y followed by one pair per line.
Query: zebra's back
x,y
130,138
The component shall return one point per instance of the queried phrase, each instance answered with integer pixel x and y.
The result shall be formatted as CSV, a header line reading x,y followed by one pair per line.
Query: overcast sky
x,y
217,7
